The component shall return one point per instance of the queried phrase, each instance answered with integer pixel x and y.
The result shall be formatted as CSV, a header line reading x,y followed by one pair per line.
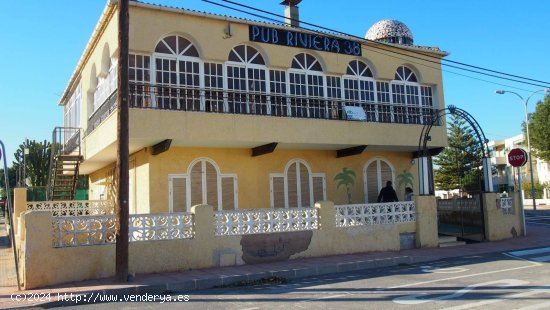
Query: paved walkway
x,y
7,264
188,281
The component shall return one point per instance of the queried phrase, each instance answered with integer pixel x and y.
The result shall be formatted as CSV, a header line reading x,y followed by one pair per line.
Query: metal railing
x,y
174,98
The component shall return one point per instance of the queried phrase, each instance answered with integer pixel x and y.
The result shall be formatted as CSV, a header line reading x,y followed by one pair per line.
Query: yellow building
x,y
241,114
250,142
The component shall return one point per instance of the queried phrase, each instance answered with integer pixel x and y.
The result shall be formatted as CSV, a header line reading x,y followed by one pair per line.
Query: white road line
x,y
414,300
530,252
534,291
320,299
532,264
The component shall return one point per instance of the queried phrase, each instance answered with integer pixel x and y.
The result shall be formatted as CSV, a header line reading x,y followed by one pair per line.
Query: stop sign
x,y
517,157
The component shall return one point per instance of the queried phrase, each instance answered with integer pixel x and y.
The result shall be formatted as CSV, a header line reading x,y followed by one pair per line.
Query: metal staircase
x,y
64,164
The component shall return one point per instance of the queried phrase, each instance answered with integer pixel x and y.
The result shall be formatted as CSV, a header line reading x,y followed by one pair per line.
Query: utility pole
x,y
122,139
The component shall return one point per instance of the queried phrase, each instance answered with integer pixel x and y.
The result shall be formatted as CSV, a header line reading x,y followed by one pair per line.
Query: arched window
x,y
246,81
107,84
177,74
306,83
297,186
375,175
203,184
405,96
359,87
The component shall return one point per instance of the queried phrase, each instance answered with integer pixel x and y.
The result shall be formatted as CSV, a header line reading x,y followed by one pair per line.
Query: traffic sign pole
x,y
521,203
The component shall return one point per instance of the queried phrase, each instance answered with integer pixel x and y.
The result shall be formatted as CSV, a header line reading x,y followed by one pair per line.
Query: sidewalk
x,y
187,281
7,265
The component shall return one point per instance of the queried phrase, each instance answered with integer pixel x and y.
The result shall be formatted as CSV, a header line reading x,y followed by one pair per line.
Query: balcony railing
x,y
161,97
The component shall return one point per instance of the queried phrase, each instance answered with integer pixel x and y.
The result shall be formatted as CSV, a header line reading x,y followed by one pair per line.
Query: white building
x,y
506,176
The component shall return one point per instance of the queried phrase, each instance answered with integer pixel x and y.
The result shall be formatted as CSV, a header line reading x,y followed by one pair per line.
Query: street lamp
x,y
525,101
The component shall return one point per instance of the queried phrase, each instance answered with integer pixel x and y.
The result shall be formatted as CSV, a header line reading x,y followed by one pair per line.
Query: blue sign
x,y
306,40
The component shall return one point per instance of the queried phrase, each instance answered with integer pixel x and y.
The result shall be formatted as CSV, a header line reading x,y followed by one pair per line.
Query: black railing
x,y
161,97
102,113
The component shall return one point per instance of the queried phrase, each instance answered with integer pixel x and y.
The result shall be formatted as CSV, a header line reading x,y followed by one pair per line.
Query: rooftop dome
x,y
390,31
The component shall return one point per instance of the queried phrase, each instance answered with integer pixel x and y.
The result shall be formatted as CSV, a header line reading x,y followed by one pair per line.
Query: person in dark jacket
x,y
387,194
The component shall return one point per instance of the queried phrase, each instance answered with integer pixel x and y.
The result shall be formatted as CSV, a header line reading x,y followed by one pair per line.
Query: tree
x,y
458,165
11,179
37,162
346,178
539,131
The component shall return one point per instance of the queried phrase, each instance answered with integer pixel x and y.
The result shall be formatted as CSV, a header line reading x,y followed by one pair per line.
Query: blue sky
x,y
41,42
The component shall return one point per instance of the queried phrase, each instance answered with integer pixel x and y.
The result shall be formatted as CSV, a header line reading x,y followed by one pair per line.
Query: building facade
x,y
506,178
240,114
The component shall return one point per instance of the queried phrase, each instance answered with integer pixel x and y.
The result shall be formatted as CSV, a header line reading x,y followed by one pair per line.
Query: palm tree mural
x,y
405,179
346,178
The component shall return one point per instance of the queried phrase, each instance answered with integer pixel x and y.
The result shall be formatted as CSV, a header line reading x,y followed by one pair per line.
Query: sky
x,y
42,41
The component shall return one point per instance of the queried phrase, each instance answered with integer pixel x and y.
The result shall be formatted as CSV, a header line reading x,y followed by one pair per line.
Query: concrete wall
x,y
498,225
45,265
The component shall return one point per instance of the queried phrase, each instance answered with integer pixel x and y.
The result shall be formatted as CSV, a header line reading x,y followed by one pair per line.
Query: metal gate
x,y
461,217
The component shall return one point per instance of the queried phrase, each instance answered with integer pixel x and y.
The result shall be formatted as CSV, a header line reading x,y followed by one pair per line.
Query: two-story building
x,y
241,114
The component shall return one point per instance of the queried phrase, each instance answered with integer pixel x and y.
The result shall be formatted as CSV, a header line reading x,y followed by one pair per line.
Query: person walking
x,y
387,194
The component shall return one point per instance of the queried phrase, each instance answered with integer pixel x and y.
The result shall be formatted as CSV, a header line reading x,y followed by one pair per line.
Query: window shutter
x,y
385,172
318,188
179,194
228,193
196,184
305,187
292,186
372,182
278,183
211,185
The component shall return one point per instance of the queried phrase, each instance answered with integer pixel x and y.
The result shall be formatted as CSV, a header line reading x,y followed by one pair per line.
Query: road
x,y
508,280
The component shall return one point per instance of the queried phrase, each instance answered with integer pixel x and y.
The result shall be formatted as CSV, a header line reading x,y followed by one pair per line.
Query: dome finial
x,y
390,31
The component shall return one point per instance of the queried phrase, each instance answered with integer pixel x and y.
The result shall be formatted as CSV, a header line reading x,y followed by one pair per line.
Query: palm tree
x,y
346,178
405,178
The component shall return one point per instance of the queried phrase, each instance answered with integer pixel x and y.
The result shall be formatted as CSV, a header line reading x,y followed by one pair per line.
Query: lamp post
x,y
525,102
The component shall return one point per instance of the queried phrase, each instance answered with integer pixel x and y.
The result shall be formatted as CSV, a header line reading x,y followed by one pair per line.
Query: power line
x,y
380,44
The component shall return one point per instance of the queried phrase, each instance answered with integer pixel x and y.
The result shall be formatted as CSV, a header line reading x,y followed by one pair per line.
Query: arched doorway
x,y
460,216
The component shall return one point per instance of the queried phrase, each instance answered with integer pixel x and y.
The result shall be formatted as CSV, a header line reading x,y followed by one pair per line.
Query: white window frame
x,y
247,64
219,176
380,182
177,58
284,175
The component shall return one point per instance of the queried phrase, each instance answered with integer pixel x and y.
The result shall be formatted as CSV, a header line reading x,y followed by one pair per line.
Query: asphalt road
x,y
509,280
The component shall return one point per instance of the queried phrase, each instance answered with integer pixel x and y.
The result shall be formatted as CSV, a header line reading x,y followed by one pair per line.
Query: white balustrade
x,y
506,205
71,231
166,226
74,207
84,230
375,213
262,221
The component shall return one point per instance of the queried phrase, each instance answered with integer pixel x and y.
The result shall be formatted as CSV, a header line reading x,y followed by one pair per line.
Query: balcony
x,y
193,117
253,103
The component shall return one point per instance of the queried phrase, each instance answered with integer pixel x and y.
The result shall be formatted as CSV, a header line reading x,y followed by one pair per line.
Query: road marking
x,y
534,291
530,252
320,298
532,264
430,269
413,299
